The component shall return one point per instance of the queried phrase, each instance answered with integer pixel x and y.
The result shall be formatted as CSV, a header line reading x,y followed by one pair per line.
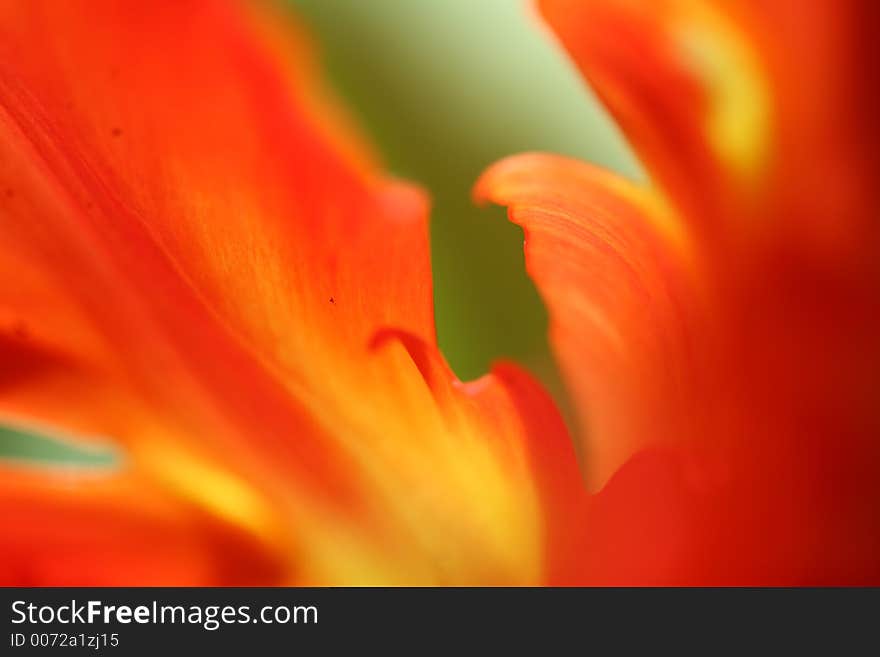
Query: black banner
x,y
127,621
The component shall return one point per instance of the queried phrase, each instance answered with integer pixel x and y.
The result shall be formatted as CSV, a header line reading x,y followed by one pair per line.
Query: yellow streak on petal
x,y
219,492
722,58
456,507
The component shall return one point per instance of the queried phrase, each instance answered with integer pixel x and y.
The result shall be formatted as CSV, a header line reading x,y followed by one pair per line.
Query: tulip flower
x,y
205,267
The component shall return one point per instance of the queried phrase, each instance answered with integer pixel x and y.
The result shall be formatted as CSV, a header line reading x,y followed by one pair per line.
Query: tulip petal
x,y
753,118
685,86
109,227
206,260
673,517
611,266
72,527
554,469
269,225
718,100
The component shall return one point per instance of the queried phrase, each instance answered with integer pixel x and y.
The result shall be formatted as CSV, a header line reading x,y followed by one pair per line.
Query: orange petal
x,y
207,259
781,376
269,221
70,527
685,86
719,103
464,482
281,234
610,263
557,478
520,420
125,141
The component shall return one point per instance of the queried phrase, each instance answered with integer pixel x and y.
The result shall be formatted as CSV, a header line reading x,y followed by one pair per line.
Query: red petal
x,y
801,517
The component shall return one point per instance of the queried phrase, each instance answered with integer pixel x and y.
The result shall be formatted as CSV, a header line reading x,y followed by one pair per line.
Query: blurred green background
x,y
444,88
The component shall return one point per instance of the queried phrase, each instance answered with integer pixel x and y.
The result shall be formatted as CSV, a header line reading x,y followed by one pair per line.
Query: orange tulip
x,y
204,265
